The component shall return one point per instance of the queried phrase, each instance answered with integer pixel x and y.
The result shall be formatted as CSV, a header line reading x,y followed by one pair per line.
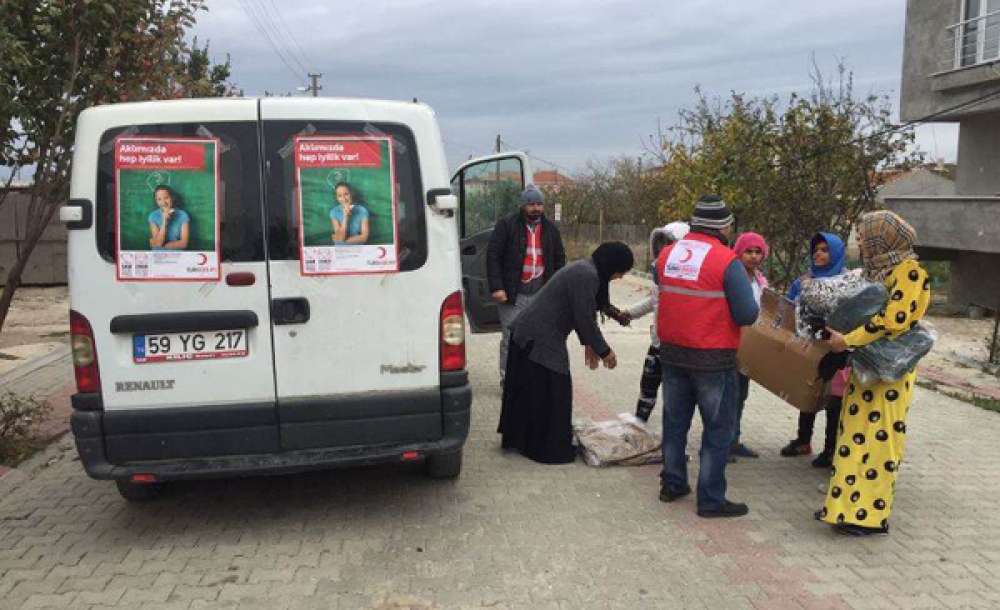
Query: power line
x,y
254,18
537,158
281,26
276,37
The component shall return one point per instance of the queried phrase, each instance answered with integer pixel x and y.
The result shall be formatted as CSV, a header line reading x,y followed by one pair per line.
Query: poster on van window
x,y
167,209
346,204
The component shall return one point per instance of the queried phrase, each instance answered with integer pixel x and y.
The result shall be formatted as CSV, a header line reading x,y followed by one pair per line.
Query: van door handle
x,y
469,250
289,311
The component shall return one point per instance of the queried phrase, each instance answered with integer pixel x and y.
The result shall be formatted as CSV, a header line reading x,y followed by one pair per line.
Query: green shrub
x,y
19,418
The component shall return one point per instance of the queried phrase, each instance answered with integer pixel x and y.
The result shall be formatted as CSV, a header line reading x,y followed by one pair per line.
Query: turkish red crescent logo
x,y
202,259
381,252
687,256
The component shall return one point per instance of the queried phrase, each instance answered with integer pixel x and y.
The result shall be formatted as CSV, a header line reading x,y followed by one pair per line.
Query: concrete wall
x,y
978,171
954,223
975,280
47,264
930,83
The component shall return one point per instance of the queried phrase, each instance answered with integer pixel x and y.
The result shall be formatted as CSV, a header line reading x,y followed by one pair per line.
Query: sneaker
x,y
795,448
823,460
667,495
741,450
728,509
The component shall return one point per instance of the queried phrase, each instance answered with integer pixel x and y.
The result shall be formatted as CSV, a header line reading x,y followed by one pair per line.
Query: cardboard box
x,y
772,355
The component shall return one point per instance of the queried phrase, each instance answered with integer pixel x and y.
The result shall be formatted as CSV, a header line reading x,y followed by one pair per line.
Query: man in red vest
x,y
704,298
525,250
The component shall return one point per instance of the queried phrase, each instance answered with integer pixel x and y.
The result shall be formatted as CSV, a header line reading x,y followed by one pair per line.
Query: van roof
x,y
344,108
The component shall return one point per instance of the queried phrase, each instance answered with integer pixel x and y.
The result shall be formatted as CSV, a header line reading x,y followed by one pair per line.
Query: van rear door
x,y
356,325
488,189
183,335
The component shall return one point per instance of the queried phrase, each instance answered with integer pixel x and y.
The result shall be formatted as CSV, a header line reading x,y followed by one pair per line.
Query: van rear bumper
x,y
89,433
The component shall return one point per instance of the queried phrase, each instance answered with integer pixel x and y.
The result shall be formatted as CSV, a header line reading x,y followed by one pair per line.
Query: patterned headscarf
x,y
886,240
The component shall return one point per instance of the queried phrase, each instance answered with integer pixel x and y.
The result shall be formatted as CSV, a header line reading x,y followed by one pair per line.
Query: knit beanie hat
x,y
531,195
711,213
750,240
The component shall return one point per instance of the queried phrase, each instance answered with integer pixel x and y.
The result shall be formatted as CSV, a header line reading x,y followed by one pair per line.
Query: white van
x,y
273,285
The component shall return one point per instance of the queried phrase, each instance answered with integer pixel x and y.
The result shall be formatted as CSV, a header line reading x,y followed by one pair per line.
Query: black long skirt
x,y
537,409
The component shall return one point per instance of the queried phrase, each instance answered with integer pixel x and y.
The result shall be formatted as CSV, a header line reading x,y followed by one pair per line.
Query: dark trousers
x,y
807,421
715,395
649,383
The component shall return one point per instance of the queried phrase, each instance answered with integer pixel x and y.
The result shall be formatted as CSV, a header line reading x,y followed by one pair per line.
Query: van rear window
x,y
241,228
405,224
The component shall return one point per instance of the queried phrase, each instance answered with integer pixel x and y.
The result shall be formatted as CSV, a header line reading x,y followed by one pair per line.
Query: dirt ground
x,y
37,315
39,322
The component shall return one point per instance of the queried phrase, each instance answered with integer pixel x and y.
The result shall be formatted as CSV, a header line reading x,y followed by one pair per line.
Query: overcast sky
x,y
567,81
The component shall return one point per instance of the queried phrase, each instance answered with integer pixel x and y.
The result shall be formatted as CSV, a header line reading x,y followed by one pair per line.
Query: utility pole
x,y
315,86
498,145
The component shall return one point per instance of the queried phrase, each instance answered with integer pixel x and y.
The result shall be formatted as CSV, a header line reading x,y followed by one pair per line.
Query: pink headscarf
x,y
753,240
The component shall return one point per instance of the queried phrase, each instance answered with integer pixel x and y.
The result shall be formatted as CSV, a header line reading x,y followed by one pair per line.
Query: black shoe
x,y
741,450
728,509
795,448
823,460
666,495
849,529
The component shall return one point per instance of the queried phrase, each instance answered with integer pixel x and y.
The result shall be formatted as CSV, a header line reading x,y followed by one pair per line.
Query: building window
x,y
978,34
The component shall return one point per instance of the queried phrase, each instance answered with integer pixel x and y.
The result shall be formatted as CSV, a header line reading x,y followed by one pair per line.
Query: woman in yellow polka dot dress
x,y
872,427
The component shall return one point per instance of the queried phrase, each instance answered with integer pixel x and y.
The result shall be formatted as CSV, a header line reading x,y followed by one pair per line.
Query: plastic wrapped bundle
x,y
891,359
625,441
842,302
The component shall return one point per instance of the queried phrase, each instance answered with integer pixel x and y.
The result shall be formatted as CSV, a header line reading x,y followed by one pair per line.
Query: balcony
x,y
972,54
966,224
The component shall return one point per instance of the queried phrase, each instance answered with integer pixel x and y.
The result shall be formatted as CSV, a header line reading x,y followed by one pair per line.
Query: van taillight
x,y
88,378
452,333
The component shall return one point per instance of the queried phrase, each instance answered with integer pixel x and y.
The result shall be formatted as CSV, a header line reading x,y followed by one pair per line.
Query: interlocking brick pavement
x,y
513,534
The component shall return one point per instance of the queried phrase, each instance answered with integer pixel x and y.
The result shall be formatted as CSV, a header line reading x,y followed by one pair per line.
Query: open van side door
x,y
488,188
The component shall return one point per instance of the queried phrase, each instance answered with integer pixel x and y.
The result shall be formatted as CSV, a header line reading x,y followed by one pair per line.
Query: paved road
x,y
513,534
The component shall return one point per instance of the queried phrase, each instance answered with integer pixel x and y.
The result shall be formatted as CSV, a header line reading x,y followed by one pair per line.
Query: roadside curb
x,y
944,379
33,365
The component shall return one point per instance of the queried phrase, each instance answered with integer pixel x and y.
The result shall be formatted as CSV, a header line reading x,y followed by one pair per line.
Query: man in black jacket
x,y
525,251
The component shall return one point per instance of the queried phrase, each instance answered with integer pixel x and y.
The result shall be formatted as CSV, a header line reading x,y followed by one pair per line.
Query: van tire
x,y
444,465
134,492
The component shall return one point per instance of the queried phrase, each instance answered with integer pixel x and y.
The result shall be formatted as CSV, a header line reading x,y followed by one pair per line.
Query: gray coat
x,y
568,302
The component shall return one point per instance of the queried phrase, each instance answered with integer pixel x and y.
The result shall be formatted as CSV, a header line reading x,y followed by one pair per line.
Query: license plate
x,y
206,345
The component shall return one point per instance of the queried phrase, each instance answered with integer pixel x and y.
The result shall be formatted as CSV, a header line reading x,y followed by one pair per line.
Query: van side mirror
x,y
442,200
446,202
77,214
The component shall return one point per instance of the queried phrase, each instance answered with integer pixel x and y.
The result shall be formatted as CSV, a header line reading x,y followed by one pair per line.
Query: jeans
x,y
716,394
744,393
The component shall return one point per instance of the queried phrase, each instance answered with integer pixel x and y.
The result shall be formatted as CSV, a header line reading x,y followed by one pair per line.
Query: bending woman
x,y
537,409
872,426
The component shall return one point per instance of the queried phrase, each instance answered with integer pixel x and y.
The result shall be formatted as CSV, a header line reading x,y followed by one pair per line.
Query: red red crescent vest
x,y
692,310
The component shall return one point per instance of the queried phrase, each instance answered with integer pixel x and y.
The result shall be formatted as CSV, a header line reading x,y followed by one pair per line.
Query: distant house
x,y
932,180
551,180
951,72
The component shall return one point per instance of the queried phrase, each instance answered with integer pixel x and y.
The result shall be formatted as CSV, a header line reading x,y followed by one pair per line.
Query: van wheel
x,y
444,465
134,492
